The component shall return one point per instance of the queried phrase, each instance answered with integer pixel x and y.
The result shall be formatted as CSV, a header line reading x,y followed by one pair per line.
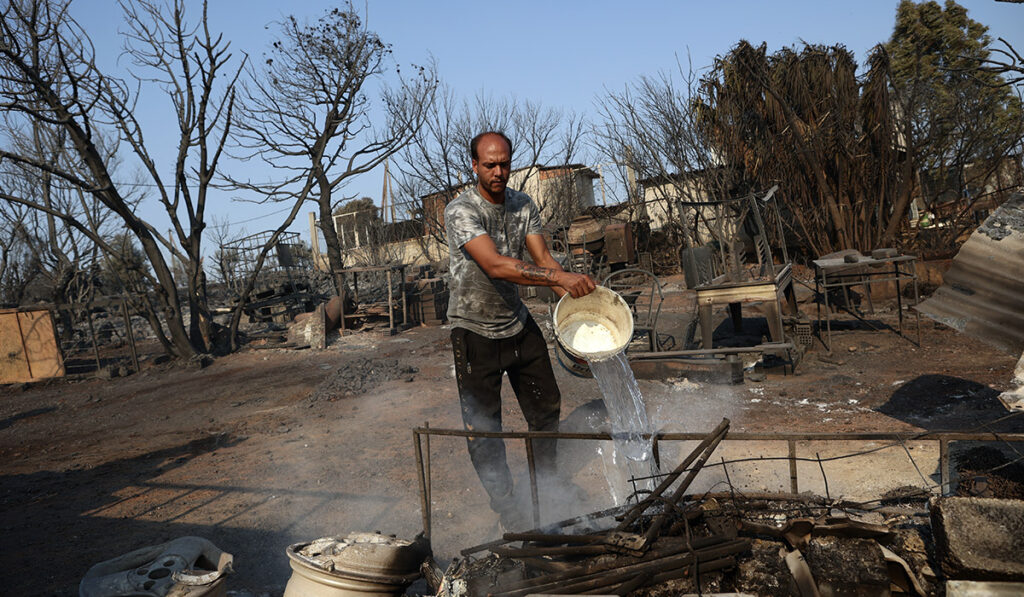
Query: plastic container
x,y
603,307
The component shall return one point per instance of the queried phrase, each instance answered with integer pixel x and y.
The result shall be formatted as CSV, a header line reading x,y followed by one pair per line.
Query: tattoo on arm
x,y
533,272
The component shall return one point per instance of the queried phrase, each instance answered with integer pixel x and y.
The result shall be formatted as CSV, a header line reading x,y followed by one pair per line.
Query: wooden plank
x,y
40,341
765,291
13,360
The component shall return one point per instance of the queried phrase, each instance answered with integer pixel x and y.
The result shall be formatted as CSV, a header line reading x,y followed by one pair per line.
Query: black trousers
x,y
479,365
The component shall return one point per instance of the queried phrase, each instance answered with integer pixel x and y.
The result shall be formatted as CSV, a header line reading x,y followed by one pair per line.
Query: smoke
x,y
686,406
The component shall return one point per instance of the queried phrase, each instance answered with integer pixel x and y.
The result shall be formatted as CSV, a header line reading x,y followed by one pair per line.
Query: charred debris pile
x,y
674,543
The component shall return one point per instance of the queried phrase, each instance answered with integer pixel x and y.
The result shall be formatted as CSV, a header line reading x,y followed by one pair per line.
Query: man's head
x,y
492,162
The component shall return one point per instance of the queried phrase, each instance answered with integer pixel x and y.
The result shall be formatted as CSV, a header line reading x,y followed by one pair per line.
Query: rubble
x,y
671,543
360,375
732,545
1005,221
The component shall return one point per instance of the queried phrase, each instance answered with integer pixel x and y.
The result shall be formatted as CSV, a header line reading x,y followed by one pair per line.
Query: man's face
x,y
494,163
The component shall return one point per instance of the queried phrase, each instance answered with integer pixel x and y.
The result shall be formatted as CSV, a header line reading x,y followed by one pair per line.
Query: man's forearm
x,y
552,265
536,273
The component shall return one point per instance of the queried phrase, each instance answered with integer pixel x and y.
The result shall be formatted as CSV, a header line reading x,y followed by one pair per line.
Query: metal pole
x,y
899,296
828,316
917,301
946,483
405,306
426,466
92,333
532,467
986,436
424,501
793,483
660,520
391,302
655,495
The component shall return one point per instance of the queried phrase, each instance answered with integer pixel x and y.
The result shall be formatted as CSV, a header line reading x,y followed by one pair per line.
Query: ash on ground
x,y
359,376
1006,219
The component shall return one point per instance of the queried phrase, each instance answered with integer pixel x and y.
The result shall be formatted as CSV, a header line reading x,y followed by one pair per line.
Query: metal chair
x,y
641,290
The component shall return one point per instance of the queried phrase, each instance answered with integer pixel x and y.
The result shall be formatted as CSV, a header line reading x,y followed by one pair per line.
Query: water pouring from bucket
x,y
598,327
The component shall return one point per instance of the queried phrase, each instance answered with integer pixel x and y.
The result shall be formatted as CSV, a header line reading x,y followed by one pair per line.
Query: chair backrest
x,y
698,266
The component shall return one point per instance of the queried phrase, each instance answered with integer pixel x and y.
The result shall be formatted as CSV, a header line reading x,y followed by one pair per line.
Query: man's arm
x,y
538,249
486,255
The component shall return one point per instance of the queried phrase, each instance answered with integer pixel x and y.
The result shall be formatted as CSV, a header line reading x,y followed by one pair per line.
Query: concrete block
x,y
310,329
979,538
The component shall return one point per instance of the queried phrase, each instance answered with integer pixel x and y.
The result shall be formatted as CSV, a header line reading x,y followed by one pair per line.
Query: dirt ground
x,y
265,448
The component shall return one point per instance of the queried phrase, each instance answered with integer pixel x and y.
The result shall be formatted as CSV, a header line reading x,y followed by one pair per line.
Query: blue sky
x,y
563,54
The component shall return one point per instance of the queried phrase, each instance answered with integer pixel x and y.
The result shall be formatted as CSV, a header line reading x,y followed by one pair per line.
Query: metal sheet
x,y
28,343
982,294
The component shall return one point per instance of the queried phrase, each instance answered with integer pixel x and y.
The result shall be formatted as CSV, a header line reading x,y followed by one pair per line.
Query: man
x,y
488,227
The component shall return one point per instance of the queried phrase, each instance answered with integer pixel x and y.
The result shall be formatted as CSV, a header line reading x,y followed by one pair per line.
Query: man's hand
x,y
576,285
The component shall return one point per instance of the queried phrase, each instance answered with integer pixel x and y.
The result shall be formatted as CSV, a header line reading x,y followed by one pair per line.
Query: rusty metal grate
x,y
803,334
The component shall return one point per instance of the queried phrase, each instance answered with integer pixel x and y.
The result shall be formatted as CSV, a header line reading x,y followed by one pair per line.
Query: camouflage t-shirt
x,y
489,307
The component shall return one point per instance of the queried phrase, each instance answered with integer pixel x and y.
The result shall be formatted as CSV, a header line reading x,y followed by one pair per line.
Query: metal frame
x,y
832,274
247,249
387,269
421,444
86,308
649,289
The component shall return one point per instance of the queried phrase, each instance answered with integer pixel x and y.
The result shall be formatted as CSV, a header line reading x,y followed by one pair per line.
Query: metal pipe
x,y
405,304
426,466
669,354
702,567
659,521
545,565
552,538
586,570
424,500
671,478
613,574
391,303
793,484
742,436
946,486
630,585
532,467
568,550
568,522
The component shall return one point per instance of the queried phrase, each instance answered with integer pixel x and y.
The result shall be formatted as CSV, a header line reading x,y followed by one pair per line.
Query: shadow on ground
x,y
946,403
28,414
940,403
49,518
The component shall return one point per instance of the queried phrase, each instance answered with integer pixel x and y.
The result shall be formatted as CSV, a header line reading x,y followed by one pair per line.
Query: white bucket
x,y
594,327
